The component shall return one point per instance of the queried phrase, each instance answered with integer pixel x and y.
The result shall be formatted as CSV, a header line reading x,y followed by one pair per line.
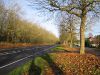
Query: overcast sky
x,y
33,15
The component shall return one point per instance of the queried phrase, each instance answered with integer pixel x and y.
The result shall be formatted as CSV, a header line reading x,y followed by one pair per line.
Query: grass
x,y
34,67
21,70
58,48
60,64
40,63
64,48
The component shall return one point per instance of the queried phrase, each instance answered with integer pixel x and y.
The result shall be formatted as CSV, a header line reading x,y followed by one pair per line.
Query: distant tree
x,y
79,8
14,29
3,14
11,26
68,30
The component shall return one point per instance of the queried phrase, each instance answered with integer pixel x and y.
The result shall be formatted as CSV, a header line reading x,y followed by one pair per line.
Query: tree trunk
x,y
82,35
71,34
71,41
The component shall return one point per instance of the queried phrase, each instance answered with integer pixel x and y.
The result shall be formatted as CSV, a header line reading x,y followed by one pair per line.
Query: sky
x,y
32,15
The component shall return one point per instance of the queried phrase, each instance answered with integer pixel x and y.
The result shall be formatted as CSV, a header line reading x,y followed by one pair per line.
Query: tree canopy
x,y
14,29
79,8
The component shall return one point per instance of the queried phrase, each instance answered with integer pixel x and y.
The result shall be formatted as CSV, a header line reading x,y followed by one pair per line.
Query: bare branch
x,y
68,8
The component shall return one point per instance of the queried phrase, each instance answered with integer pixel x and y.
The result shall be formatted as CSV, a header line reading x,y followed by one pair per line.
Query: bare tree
x,y
79,8
3,19
14,29
67,29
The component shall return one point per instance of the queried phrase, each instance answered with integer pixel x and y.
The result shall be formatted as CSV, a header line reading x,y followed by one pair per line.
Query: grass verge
x,y
61,64
58,48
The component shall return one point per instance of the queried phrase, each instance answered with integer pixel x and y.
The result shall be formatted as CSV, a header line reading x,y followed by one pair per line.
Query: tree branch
x,y
90,3
68,8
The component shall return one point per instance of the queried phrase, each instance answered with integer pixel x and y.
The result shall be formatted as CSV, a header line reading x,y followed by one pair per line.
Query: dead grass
x,y
12,45
69,49
4,45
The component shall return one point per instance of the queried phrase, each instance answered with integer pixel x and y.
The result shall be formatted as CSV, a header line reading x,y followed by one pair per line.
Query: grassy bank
x,y
62,64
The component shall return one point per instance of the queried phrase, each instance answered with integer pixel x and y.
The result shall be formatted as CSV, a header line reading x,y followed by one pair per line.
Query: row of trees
x,y
68,29
14,29
82,9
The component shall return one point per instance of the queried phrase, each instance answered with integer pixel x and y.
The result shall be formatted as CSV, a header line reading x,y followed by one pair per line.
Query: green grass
x,y
58,48
20,70
40,63
61,61
35,67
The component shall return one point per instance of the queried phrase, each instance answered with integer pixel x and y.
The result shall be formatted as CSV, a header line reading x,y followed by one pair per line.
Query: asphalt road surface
x,y
94,51
15,57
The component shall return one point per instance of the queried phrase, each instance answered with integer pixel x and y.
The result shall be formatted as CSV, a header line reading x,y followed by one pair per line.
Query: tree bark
x,y
71,41
82,35
71,44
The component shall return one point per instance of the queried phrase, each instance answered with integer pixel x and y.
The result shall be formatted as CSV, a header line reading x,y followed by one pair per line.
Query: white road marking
x,y
15,62
11,48
24,58
5,53
12,52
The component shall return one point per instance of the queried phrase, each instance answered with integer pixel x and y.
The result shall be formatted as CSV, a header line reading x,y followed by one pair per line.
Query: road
x,y
94,51
12,58
15,57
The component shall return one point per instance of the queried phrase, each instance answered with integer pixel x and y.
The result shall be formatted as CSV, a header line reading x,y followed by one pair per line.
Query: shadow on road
x,y
35,70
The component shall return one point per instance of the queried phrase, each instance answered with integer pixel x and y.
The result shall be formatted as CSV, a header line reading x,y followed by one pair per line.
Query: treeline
x,y
67,29
15,30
